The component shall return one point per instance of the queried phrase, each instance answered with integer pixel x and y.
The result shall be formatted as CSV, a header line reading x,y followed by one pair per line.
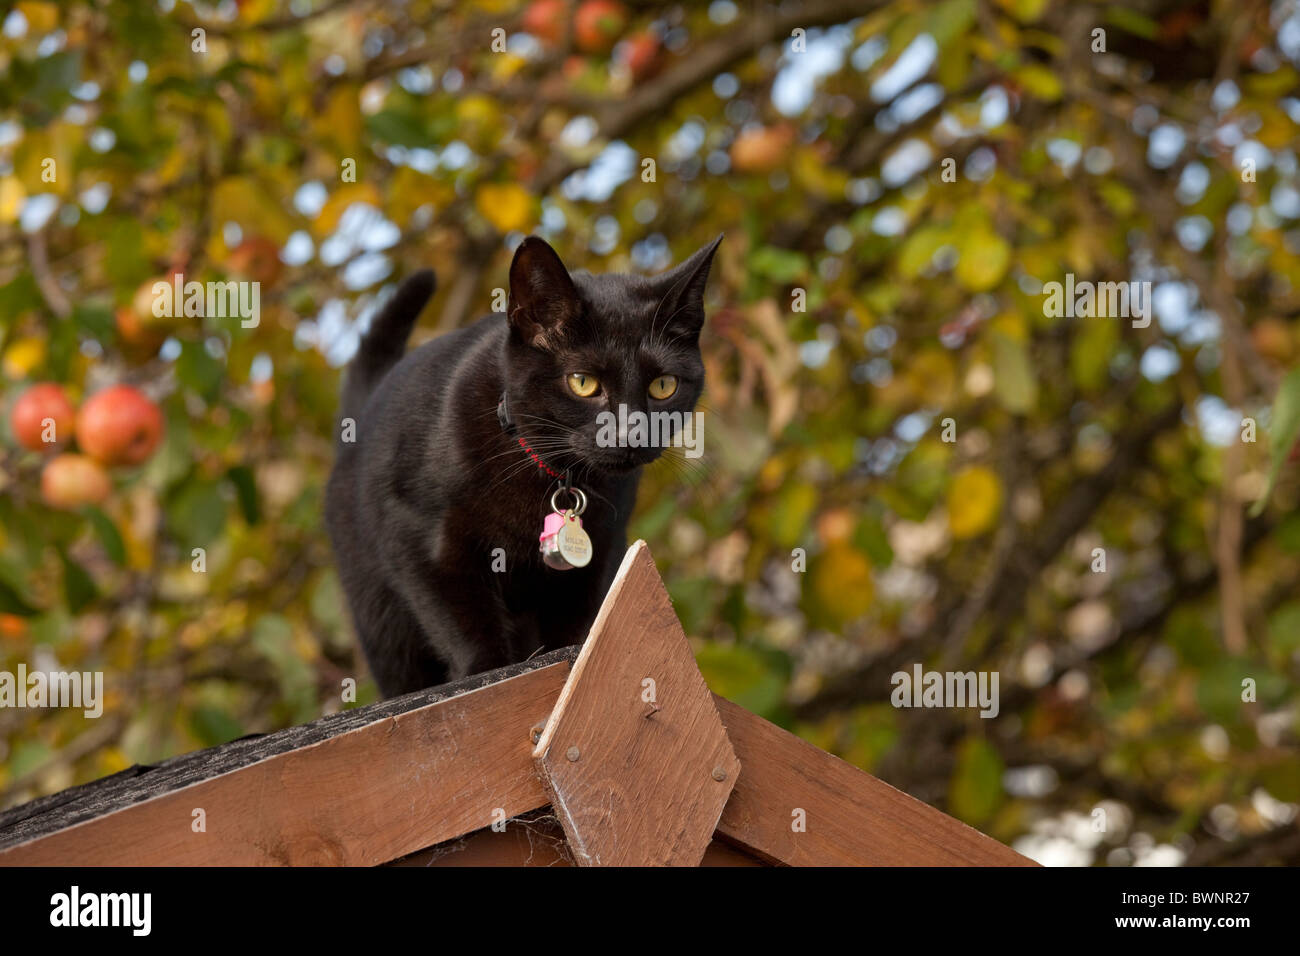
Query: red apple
x,y
544,19
641,53
119,426
39,404
70,481
598,25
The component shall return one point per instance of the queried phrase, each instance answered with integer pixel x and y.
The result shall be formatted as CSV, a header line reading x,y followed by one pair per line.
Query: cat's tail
x,y
385,341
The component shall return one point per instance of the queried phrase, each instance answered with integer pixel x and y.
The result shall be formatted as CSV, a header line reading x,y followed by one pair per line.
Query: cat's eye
x,y
584,386
663,387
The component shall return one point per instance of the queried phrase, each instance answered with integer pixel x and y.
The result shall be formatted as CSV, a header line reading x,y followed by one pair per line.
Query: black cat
x,y
454,450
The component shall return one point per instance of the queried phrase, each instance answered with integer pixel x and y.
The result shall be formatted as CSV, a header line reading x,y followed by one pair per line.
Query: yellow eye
x,y
663,387
584,386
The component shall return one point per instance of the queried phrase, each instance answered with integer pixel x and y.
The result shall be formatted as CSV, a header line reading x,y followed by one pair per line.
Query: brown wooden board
x,y
634,755
538,841
414,773
850,818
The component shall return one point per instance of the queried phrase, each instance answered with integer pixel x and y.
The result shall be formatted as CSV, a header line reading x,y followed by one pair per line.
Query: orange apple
x,y
12,626
119,426
763,149
1272,339
139,338
70,481
256,259
598,25
149,326
42,403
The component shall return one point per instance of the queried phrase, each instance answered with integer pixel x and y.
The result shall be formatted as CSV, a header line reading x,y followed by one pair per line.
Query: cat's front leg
x,y
458,610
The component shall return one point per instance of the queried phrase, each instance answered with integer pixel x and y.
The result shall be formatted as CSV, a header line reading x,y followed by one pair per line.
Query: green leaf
x,y
744,675
199,370
949,20
779,265
397,128
77,584
12,603
95,319
1014,381
108,535
213,726
197,514
1283,432
27,756
976,788
869,537
1132,21
241,476
1284,628
794,511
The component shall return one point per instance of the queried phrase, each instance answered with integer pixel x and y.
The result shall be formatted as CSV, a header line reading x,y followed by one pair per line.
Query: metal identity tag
x,y
563,543
573,543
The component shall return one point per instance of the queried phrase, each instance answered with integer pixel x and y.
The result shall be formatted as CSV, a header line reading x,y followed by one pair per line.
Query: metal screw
x,y
536,732
572,753
719,774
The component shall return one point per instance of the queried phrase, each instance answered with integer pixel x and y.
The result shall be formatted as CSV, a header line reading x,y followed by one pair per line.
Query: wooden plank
x,y
364,796
537,842
637,783
850,817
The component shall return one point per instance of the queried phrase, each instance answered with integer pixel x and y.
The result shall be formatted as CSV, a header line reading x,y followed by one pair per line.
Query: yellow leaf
x,y
842,582
984,259
508,206
1026,11
255,11
409,190
506,65
343,197
340,121
43,159
815,176
23,356
12,196
244,200
41,17
931,376
974,501
1039,82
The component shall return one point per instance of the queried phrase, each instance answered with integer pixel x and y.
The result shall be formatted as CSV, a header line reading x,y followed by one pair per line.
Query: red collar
x,y
508,426
537,458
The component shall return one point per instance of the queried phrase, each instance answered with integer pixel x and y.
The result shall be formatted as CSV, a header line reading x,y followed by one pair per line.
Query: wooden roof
x,y
638,762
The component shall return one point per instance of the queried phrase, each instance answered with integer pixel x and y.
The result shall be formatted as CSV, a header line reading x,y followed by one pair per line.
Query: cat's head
x,y
581,345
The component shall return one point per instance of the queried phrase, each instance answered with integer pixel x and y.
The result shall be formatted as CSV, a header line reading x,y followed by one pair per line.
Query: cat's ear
x,y
682,305
542,295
